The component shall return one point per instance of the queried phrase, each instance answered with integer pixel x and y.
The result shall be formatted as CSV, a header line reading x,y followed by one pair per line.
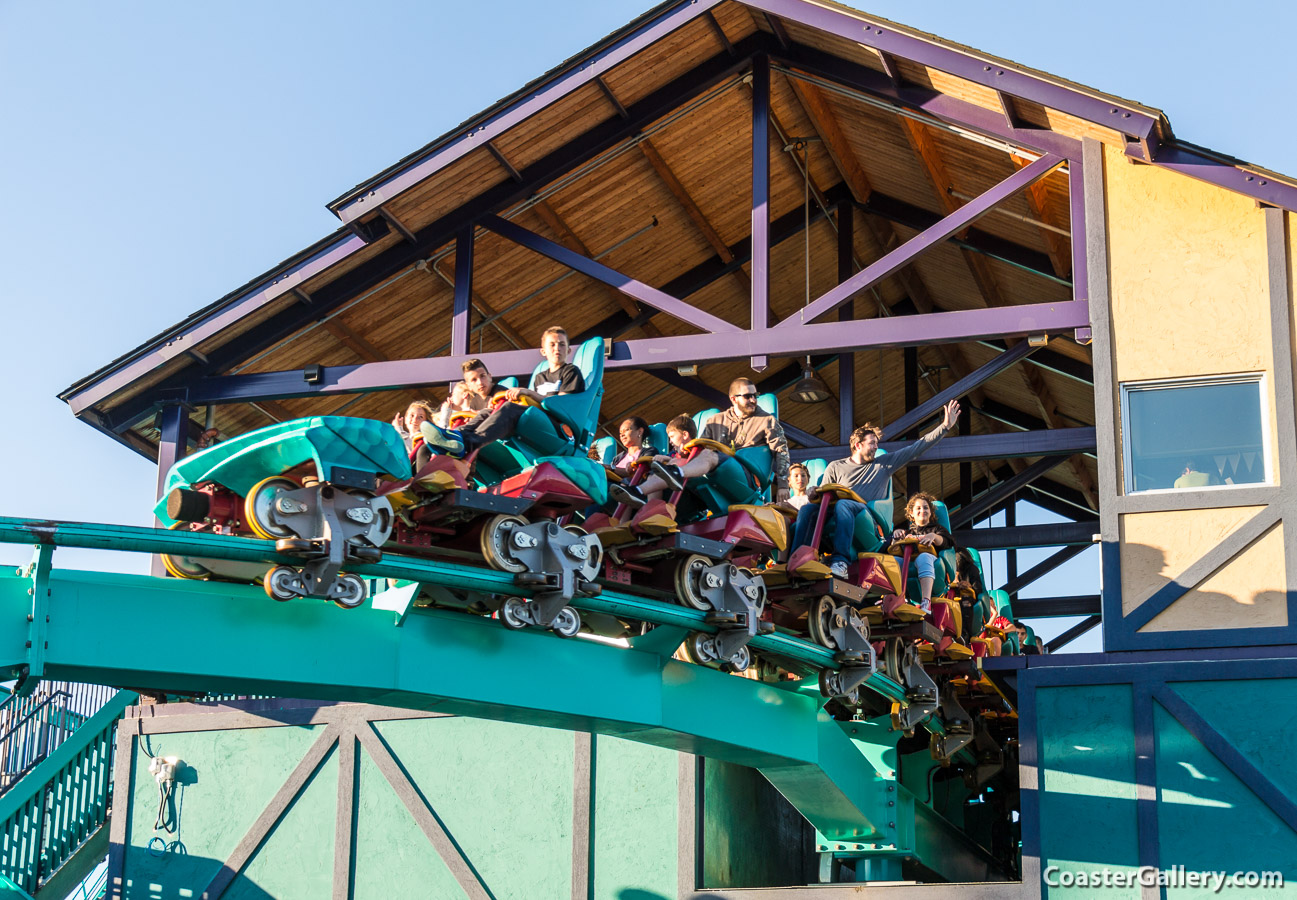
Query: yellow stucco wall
x,y
1190,297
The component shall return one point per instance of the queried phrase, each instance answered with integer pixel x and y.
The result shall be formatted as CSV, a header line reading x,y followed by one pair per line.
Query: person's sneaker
x,y
669,473
438,438
627,494
838,569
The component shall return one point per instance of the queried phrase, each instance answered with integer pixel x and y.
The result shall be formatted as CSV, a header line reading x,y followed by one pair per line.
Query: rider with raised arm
x,y
867,475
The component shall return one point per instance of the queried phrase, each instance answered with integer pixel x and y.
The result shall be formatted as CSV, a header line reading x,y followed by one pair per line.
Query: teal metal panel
x,y
297,857
1208,820
173,634
1087,794
1265,740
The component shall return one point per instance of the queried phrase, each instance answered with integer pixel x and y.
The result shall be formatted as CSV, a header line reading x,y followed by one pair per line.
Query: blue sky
x,y
158,155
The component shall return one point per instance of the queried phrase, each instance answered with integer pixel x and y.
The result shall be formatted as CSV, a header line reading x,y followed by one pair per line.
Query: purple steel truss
x,y
905,254
826,337
636,290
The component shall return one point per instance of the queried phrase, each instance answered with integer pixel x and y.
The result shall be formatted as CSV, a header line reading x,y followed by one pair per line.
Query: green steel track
x,y
172,634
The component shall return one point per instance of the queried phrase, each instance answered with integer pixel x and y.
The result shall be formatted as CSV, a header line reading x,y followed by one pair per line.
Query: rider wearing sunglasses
x,y
744,424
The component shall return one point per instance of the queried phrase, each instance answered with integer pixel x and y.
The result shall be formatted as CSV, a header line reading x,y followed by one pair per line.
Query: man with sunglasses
x,y
744,424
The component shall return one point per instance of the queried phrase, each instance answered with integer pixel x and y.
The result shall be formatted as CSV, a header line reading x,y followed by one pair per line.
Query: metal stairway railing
x,y
33,726
63,798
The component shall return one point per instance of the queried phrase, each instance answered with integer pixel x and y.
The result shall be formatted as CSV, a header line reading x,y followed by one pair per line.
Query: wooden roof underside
x,y
678,197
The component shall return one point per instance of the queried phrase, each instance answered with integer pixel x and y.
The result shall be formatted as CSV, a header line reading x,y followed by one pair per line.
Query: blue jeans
x,y
925,564
841,527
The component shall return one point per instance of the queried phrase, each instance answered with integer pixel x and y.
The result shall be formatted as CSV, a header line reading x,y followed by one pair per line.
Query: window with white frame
x,y
1195,433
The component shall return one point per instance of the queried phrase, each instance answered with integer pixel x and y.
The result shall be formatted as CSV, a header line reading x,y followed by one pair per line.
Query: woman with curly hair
x,y
920,513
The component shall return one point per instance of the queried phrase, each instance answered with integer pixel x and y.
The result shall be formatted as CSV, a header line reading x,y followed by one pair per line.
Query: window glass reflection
x,y
1194,436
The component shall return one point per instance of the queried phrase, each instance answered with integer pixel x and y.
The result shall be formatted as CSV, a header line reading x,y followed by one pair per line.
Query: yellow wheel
x,y
183,567
257,505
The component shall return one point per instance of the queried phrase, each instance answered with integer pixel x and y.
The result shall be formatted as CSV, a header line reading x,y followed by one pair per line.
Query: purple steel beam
x,y
939,106
477,133
461,325
1221,171
828,337
704,391
638,290
969,382
270,288
1060,442
760,199
846,312
925,240
883,36
1076,204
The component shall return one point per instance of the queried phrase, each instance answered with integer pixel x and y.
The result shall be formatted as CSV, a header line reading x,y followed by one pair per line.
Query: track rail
x,y
175,634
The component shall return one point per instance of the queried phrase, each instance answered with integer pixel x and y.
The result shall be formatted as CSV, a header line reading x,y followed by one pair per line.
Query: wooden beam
x,y
569,239
929,158
486,311
1059,248
817,110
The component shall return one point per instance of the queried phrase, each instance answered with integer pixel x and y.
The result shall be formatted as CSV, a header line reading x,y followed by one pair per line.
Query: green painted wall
x,y
1207,818
504,794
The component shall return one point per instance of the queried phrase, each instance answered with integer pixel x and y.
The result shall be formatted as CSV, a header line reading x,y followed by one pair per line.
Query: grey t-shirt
x,y
869,480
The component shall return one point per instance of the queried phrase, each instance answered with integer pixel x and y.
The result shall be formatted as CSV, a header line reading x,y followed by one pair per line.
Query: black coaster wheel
x,y
894,659
567,623
819,621
738,661
280,583
701,649
514,614
258,504
497,543
353,591
688,581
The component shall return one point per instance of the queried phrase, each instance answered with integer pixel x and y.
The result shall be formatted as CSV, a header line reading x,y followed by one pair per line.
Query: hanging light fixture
x,y
810,389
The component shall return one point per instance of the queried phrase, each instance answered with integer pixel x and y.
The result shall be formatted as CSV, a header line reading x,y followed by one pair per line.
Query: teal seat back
x,y
507,382
769,403
606,447
658,440
700,419
942,514
579,411
1003,604
815,470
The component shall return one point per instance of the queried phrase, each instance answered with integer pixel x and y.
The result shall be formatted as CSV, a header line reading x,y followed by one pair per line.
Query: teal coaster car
x,y
309,484
563,425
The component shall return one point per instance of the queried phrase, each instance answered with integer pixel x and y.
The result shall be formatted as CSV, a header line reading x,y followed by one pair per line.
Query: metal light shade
x,y
810,389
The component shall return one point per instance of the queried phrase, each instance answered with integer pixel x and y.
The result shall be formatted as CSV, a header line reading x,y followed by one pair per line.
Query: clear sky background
x,y
156,155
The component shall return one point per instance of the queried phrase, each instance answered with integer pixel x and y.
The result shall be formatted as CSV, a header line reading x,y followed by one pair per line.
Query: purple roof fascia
x,y
1226,173
885,37
251,300
943,107
827,337
582,72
